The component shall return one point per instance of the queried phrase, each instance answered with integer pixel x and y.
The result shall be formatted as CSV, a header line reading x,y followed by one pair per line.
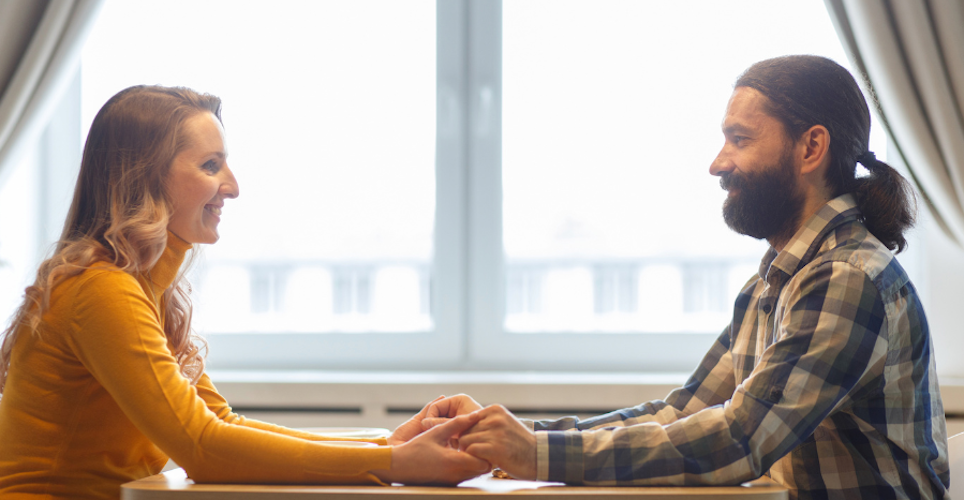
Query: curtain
x,y
40,46
911,57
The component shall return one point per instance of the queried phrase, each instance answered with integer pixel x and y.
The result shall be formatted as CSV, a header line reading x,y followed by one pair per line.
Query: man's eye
x,y
737,139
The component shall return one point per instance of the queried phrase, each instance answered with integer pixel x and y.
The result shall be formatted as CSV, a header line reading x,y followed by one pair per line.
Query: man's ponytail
x,y
886,201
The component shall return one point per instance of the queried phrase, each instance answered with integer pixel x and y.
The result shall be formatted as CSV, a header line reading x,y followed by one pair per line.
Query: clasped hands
x,y
497,437
453,439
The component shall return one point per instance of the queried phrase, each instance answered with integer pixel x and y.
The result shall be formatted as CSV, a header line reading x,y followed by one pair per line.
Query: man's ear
x,y
814,145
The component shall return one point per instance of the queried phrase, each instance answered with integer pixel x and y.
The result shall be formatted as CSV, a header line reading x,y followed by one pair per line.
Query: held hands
x,y
503,441
427,458
490,435
413,426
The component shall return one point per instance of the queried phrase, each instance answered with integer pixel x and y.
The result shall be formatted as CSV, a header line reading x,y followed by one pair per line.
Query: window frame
x,y
468,268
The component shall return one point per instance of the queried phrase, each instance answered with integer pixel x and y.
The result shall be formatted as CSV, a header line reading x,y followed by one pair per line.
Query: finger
x,y
439,408
425,408
469,438
483,451
452,428
453,406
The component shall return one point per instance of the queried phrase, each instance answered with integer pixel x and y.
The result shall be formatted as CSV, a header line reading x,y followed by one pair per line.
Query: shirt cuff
x,y
559,456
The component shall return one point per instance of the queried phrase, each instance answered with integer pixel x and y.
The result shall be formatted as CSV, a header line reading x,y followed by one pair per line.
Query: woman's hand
x,y
427,458
411,427
442,409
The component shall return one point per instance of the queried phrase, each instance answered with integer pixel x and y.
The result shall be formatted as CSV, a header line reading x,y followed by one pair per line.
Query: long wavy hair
x,y
120,211
806,90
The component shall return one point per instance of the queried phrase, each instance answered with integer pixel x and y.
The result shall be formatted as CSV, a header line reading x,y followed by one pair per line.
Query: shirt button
x,y
767,308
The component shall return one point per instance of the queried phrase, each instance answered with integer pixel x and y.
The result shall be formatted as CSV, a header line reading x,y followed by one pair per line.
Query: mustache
x,y
729,181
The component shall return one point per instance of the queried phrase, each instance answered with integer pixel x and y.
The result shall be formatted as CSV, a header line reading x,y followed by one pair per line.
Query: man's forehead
x,y
745,111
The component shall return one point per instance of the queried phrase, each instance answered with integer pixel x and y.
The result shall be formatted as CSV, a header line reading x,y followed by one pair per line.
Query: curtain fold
x,y
40,47
910,54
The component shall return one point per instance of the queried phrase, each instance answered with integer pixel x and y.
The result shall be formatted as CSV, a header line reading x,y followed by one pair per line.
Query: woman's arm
x,y
117,336
217,404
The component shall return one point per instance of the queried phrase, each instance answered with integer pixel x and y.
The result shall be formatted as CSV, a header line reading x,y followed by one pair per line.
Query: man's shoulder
x,y
853,249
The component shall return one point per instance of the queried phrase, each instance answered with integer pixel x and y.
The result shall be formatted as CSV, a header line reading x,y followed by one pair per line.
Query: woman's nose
x,y
229,187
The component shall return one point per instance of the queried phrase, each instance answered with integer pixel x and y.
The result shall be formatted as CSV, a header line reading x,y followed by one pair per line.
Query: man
x,y
825,378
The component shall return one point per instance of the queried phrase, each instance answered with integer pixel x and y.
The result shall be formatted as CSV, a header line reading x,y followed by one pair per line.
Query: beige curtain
x,y
911,54
40,45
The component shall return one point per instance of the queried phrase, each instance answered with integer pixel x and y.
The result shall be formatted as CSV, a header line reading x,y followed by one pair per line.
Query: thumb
x,y
453,428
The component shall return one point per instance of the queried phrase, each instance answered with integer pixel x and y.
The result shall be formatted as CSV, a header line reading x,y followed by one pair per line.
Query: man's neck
x,y
811,205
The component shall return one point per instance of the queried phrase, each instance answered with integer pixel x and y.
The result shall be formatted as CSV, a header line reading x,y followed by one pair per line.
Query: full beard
x,y
767,204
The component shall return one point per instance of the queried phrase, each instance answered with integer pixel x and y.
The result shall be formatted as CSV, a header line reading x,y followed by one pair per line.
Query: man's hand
x,y
411,427
427,458
442,409
502,440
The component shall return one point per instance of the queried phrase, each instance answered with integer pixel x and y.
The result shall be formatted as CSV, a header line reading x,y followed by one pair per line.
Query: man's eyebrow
x,y
735,128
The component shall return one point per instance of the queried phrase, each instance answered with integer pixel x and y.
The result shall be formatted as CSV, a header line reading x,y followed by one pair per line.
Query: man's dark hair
x,y
804,91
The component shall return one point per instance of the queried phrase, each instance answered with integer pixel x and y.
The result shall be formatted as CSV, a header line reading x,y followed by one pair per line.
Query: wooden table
x,y
174,485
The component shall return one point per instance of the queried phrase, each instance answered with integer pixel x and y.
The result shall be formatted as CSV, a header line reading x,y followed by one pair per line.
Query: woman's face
x,y
199,181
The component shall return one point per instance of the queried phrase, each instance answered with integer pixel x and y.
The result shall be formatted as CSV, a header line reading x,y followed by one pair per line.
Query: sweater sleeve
x,y
117,336
217,404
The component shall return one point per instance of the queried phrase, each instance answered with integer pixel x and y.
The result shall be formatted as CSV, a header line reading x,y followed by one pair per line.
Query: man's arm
x,y
712,383
831,342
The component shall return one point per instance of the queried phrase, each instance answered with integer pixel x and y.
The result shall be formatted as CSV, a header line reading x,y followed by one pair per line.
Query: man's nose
x,y
721,164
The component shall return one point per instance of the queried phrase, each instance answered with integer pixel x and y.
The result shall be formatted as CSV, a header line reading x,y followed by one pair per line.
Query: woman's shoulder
x,y
101,290
100,278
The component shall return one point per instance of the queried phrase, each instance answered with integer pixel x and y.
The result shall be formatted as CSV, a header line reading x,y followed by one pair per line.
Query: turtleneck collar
x,y
165,270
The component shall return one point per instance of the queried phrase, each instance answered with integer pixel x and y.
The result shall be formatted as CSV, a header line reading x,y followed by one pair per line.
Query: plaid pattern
x,y
824,381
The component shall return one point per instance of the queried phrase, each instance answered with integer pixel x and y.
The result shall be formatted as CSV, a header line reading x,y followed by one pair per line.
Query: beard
x,y
767,203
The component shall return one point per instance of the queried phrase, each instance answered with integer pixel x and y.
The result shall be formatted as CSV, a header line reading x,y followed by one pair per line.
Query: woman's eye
x,y
211,166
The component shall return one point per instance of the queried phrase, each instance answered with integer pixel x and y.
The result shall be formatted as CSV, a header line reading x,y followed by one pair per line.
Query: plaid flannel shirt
x,y
824,380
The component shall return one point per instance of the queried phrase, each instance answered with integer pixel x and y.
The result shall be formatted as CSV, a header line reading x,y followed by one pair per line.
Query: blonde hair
x,y
120,211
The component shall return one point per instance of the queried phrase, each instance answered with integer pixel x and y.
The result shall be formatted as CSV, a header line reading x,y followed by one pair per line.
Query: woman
x,y
100,375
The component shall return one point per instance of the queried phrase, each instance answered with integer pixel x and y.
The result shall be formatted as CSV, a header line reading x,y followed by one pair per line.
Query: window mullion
x,y
485,252
451,182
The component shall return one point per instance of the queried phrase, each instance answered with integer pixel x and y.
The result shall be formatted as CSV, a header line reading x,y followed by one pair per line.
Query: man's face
x,y
756,166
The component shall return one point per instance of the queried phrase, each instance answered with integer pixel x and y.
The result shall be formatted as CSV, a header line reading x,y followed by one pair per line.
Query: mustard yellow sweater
x,y
96,400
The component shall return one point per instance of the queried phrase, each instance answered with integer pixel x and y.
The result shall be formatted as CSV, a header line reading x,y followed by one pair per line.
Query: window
x,y
463,183
35,194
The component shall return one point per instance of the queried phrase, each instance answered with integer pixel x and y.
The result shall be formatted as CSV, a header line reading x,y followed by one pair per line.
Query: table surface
x,y
174,485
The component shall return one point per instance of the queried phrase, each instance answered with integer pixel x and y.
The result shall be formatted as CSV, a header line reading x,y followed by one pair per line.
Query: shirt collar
x,y
803,246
